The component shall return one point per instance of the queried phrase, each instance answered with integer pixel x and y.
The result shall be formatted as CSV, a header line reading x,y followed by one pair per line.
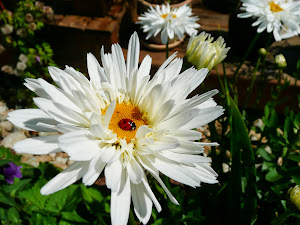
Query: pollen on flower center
x,y
275,7
126,120
164,16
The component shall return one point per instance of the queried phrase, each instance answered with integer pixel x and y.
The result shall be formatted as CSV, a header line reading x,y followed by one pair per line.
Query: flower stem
x,y
252,80
245,56
280,76
167,49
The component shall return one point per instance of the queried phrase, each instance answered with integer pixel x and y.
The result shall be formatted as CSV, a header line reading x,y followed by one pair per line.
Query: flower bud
x,y
262,52
280,61
295,196
202,52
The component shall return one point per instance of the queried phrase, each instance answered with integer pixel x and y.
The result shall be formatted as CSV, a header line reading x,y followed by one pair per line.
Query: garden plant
x,y
142,148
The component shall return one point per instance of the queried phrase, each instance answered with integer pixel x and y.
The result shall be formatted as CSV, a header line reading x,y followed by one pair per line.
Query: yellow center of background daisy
x,y
126,120
275,7
164,16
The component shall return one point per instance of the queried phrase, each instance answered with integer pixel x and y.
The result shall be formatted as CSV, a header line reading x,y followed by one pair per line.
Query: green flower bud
x,y
262,52
202,52
280,61
295,196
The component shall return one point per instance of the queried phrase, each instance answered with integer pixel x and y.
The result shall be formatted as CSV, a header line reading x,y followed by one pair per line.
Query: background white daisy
x,y
123,123
169,22
282,17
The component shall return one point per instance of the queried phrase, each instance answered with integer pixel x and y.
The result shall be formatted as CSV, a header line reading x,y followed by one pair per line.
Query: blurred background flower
x,y
169,23
11,171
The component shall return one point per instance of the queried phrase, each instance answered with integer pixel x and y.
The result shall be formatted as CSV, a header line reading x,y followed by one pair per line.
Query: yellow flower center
x,y
126,120
164,16
275,7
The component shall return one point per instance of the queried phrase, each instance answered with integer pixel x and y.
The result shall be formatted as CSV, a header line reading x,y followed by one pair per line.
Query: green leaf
x,y
296,178
273,175
297,121
34,196
91,194
39,219
265,154
295,158
13,215
18,184
73,217
6,199
4,162
3,216
64,200
239,140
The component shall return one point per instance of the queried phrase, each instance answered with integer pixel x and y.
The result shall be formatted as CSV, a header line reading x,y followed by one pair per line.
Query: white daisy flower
x,y
169,22
282,17
123,123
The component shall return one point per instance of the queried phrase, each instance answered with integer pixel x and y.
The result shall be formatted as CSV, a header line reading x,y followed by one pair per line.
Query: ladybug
x,y
127,124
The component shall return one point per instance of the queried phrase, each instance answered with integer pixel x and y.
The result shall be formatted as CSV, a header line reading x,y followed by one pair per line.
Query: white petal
x,y
113,172
120,202
141,202
108,153
95,168
151,194
133,53
154,172
32,119
67,177
174,170
135,171
38,145
185,158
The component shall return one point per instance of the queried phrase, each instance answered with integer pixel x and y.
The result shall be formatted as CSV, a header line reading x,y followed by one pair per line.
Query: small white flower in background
x,y
280,61
7,29
47,10
2,49
39,4
23,58
21,66
203,52
169,22
124,124
21,32
32,26
7,69
29,18
282,17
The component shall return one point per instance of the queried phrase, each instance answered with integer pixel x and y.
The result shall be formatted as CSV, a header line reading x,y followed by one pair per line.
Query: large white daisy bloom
x,y
123,123
169,22
282,17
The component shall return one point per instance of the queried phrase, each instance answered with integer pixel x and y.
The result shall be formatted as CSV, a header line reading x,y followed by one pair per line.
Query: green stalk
x,y
245,56
280,76
221,82
167,49
252,81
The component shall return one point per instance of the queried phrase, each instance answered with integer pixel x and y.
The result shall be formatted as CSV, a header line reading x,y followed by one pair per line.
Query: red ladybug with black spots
x,y
127,124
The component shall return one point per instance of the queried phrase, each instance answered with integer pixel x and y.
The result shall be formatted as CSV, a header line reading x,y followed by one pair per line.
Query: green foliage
x,y
25,54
